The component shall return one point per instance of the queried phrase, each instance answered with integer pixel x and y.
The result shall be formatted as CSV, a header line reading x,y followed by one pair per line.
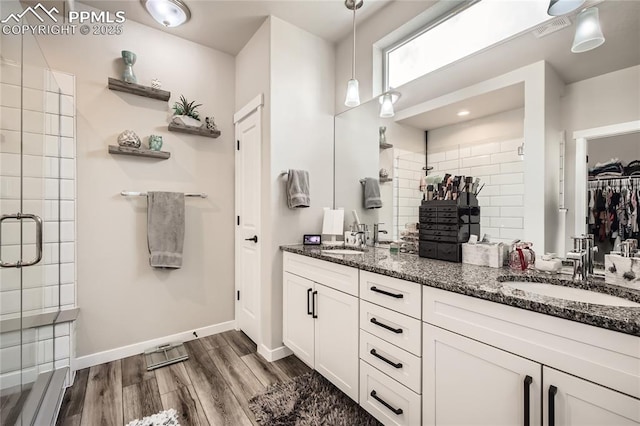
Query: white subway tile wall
x,y
407,171
48,190
501,170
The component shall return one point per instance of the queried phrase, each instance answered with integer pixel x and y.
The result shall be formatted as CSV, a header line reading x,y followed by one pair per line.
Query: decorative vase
x,y
211,125
130,139
155,142
129,59
383,136
187,121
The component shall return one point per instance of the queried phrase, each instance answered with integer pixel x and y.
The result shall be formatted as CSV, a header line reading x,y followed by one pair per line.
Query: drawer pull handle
x,y
379,324
388,361
396,411
527,400
552,405
386,293
309,312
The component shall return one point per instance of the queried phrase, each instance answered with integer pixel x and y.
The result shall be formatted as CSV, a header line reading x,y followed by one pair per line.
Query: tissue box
x,y
492,255
624,271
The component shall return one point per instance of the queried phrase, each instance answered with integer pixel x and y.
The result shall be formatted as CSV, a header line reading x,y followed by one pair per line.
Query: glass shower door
x,y
30,167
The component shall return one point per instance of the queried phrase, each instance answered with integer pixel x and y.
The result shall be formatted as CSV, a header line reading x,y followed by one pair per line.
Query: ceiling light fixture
x,y
170,13
353,90
562,7
588,32
387,99
463,113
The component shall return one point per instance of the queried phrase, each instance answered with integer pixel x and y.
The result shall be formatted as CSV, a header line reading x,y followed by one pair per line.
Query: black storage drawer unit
x,y
445,225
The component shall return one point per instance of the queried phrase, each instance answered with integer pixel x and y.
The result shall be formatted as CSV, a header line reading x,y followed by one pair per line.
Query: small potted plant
x,y
186,113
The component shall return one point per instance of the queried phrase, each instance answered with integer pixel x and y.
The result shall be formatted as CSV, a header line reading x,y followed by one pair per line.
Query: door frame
x,y
256,104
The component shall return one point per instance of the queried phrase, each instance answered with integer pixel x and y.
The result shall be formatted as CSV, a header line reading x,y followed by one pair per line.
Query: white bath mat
x,y
163,418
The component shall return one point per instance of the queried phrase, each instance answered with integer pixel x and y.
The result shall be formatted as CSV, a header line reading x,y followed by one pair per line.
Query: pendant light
x,y
562,7
353,90
387,99
170,13
588,32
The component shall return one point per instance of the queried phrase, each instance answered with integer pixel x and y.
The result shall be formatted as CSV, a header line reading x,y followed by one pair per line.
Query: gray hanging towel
x,y
165,229
298,189
371,191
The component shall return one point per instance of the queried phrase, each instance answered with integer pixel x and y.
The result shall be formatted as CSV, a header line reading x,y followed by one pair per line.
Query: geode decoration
x,y
130,139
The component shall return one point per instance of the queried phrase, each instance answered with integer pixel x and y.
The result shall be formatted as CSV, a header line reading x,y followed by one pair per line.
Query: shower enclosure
x,y
37,226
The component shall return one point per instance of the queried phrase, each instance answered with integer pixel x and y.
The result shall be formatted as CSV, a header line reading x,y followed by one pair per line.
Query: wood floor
x,y
212,387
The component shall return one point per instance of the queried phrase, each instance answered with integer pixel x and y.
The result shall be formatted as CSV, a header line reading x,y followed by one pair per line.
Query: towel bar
x,y
144,194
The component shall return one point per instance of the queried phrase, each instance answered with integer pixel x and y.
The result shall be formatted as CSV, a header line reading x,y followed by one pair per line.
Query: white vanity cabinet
x,y
320,318
478,357
390,349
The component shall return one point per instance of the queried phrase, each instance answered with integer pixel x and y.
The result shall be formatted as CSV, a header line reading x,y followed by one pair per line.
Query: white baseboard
x,y
274,354
137,348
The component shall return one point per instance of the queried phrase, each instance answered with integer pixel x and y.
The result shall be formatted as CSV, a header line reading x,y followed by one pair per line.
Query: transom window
x,y
475,28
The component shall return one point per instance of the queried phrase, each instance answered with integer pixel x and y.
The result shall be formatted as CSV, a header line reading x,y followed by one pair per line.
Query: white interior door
x,y
247,236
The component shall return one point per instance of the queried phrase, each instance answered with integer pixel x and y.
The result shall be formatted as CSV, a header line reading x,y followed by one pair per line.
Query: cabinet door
x,y
577,402
336,332
469,383
297,321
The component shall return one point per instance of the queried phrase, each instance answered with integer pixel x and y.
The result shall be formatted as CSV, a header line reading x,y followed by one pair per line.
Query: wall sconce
x,y
387,100
588,32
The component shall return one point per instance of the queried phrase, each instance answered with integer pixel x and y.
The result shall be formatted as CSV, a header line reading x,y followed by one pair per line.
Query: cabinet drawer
x,y
428,249
387,400
339,277
399,295
450,252
401,330
398,364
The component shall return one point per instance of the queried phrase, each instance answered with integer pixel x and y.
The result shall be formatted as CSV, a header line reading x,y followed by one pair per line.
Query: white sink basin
x,y
570,293
341,251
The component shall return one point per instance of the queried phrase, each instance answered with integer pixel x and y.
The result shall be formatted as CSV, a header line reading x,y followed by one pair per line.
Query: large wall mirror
x,y
517,138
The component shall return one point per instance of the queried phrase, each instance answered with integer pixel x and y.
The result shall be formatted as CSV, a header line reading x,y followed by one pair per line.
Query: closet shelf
x,y
138,89
386,145
201,131
125,150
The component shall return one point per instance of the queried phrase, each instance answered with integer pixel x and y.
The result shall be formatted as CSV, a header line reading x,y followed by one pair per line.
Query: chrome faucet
x,y
376,233
361,235
582,255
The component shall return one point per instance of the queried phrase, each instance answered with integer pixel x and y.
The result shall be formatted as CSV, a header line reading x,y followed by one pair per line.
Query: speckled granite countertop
x,y
487,283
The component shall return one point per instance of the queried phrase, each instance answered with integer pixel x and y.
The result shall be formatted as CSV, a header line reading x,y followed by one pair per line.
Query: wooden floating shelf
x,y
383,180
126,150
386,145
138,89
201,131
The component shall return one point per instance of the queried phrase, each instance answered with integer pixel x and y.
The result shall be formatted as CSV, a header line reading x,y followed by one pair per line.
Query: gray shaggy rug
x,y
308,400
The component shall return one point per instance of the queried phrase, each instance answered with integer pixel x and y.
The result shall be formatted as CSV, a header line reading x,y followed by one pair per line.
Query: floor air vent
x,y
551,27
165,355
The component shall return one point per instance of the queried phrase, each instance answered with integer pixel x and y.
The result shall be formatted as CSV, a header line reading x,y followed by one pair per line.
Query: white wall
x,y
122,299
626,148
302,78
607,99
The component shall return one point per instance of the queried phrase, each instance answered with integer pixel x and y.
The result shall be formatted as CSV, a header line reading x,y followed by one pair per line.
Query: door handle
x,y
38,221
309,312
385,326
313,304
552,405
527,400
254,239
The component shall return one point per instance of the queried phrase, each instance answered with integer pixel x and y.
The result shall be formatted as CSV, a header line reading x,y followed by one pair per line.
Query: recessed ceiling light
x,y
170,13
463,113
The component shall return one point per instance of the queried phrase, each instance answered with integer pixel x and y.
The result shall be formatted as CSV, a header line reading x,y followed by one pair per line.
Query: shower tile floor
x,y
212,387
